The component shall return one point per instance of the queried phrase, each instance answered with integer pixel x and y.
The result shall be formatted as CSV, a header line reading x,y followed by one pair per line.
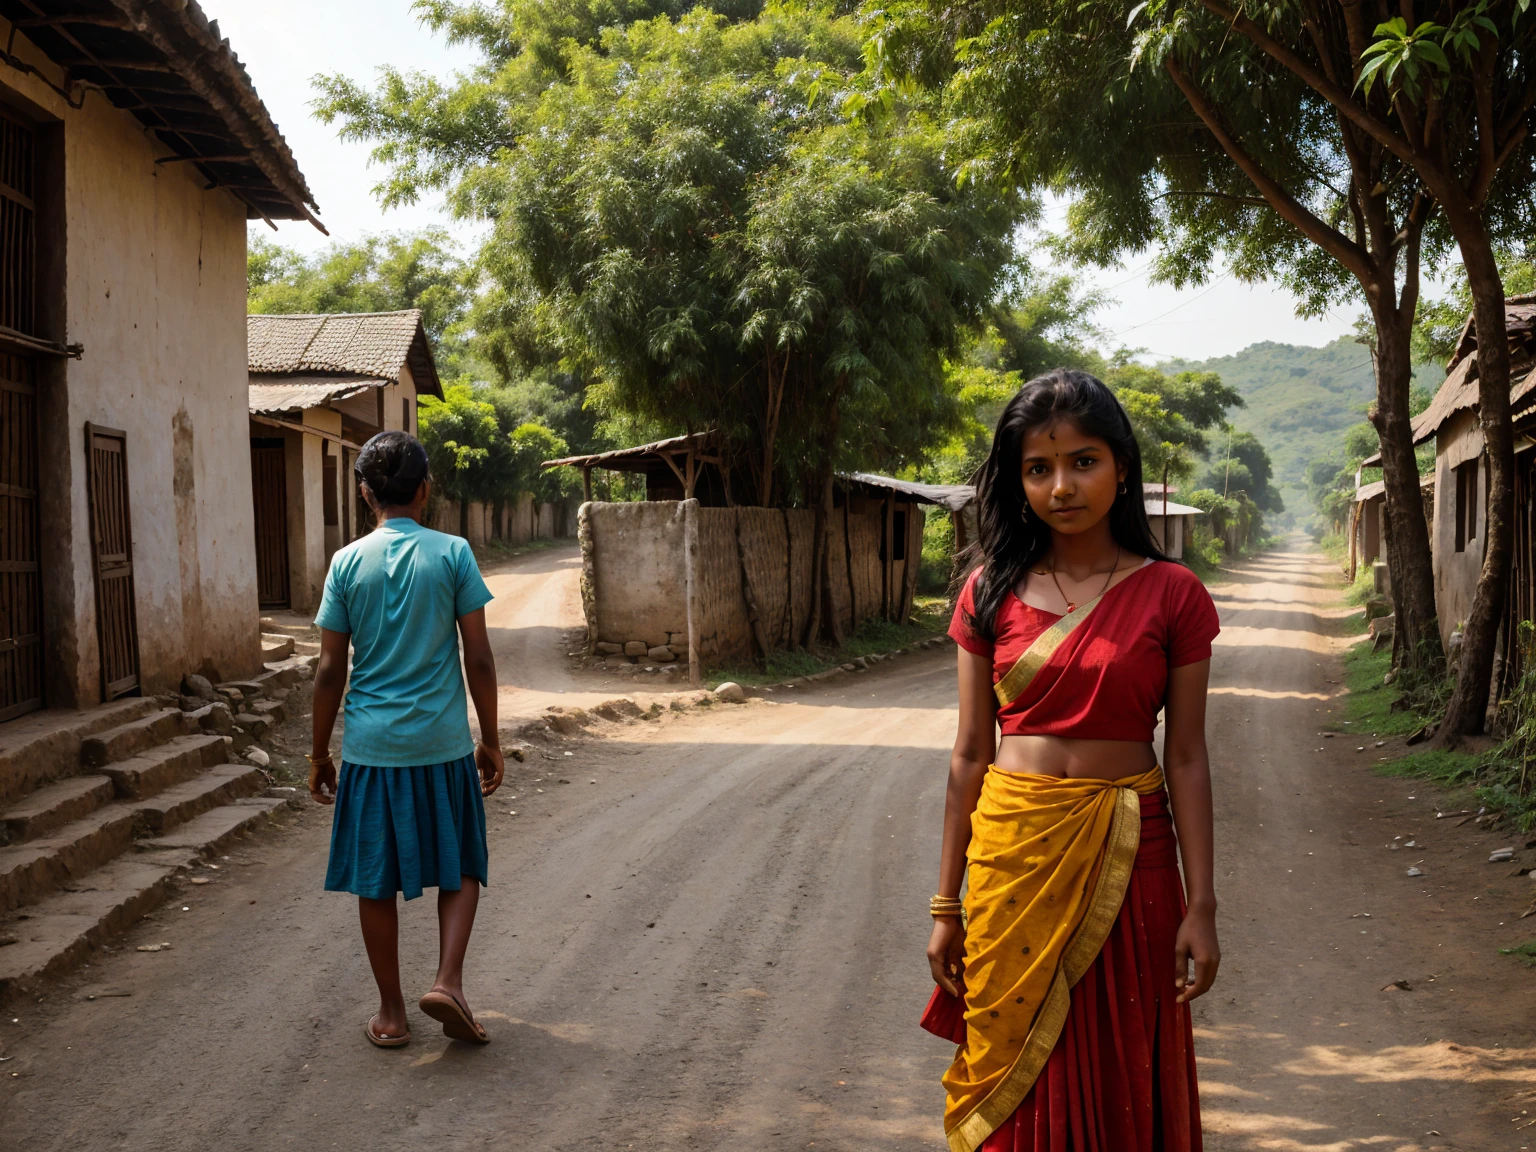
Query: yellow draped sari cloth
x,y
1050,861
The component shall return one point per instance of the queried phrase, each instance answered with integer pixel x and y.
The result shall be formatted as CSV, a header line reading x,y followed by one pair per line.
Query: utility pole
x,y
1227,482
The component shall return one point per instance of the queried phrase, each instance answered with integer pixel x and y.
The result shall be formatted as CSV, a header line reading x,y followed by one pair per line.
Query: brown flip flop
x,y
380,1041
454,1016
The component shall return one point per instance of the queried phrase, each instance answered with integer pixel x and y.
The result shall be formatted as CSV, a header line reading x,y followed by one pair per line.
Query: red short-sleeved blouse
x,y
1109,679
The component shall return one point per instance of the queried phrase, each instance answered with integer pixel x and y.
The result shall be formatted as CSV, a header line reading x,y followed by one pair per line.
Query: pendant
x,y
1071,607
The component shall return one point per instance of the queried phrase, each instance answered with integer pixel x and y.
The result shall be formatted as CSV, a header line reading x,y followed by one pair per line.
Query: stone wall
x,y
752,563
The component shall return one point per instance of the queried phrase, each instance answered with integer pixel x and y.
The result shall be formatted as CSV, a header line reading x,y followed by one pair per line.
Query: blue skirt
x,y
405,829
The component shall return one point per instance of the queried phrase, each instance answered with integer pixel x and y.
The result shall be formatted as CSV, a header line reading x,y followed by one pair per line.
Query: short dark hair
x,y
1007,541
392,466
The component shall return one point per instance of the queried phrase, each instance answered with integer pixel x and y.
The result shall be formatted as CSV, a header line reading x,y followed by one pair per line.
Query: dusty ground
x,y
534,622
712,936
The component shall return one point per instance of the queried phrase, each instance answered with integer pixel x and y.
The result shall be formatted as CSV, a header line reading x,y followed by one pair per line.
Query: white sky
x,y
284,43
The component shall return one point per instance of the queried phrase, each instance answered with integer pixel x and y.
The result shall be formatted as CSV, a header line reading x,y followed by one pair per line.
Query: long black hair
x,y
392,466
1009,536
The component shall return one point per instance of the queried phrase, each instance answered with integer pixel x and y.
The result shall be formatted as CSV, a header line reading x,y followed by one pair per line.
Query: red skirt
x,y
1122,1075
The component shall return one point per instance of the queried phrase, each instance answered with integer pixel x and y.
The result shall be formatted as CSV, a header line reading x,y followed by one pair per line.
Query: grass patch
x,y
871,638
1437,765
1525,953
1369,705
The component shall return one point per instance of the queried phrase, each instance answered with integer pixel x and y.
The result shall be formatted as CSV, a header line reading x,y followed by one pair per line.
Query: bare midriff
x,y
1066,756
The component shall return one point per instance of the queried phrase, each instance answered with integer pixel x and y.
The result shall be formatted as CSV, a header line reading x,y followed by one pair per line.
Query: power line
x,y
1214,285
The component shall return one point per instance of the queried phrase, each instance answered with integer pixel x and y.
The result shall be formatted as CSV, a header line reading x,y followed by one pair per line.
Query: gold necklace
x,y
1071,607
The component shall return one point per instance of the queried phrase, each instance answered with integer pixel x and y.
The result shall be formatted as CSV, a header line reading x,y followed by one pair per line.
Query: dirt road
x,y
711,938
534,621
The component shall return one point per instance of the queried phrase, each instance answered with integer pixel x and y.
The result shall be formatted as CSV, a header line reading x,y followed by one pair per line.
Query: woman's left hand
x,y
1196,941
492,768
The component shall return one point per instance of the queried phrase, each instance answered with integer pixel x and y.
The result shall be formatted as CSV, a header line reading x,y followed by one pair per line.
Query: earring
x,y
1122,489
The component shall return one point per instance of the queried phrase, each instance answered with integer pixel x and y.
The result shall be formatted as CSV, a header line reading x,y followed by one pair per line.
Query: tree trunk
x,y
1407,534
1468,707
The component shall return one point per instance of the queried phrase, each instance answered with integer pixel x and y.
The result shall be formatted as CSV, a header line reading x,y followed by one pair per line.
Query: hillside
x,y
1299,399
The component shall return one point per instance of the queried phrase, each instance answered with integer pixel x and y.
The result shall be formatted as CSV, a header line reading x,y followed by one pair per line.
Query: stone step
x,y
276,646
38,749
55,935
179,759
54,806
215,829
275,711
30,871
215,788
129,739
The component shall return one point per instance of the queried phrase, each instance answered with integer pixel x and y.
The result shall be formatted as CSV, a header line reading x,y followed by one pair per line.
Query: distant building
x,y
133,150
319,387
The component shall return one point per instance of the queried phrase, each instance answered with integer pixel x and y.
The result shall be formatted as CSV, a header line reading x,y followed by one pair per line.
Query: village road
x,y
707,933
533,622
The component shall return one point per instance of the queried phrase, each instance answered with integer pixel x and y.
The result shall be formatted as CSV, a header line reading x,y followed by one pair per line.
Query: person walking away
x,y
1064,971
409,798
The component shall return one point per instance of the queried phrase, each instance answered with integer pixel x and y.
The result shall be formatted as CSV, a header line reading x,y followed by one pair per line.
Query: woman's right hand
x,y
946,954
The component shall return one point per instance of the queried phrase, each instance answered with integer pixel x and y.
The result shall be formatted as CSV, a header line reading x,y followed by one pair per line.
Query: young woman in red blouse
x,y
1065,972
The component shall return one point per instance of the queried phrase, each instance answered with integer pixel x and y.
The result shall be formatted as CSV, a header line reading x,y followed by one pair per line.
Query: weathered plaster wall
x,y
638,583
152,283
637,570
1460,439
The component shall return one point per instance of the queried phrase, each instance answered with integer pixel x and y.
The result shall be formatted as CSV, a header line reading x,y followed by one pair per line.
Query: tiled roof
x,y
285,393
371,344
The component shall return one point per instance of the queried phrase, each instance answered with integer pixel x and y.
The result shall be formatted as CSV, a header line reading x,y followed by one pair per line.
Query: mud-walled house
x,y
320,386
133,150
1457,502
687,575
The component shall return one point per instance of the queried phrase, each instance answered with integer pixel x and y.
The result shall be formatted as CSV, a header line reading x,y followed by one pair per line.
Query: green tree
x,y
1331,146
682,221
466,448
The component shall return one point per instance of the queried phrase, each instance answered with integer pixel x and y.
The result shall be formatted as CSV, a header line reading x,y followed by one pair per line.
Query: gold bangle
x,y
942,913
317,761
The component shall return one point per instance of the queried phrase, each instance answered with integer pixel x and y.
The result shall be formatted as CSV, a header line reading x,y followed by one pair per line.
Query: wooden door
x,y
117,622
21,593
269,486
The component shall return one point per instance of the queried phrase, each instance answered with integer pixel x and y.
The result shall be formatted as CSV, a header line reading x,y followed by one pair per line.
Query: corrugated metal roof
x,y
285,393
1156,507
372,344
951,496
628,459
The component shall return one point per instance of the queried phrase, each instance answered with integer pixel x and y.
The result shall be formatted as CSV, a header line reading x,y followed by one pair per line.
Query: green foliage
x,y
1439,323
681,220
375,274
463,443
480,450
530,445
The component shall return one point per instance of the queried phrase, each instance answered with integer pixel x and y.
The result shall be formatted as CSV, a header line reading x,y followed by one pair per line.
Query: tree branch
x,y
1379,130
1335,243
1482,91
1256,201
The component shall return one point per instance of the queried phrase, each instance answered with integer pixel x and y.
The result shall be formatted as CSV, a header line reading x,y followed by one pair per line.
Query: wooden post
x,y
890,556
691,585
586,484
692,476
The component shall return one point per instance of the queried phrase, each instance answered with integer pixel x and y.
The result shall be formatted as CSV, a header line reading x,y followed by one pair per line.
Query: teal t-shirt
x,y
399,592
